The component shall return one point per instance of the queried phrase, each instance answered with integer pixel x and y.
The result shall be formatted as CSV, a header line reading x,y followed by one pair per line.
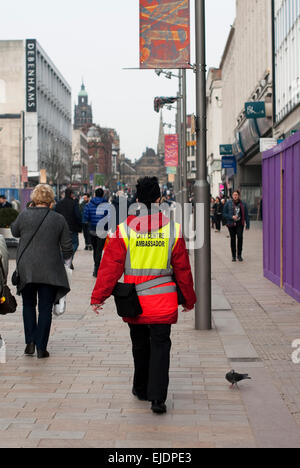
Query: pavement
x,y
81,397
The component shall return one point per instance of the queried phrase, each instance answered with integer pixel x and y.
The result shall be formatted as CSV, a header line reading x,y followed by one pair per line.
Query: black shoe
x,y
140,396
95,274
158,407
241,258
42,354
233,259
30,349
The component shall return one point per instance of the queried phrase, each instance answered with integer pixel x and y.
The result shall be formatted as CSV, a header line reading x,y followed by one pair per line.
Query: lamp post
x,y
181,178
202,188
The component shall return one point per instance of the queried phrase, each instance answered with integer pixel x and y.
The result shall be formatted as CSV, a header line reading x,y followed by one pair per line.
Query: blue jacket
x,y
92,215
228,213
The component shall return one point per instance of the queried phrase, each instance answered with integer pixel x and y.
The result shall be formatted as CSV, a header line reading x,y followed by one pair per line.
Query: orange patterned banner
x,y
164,34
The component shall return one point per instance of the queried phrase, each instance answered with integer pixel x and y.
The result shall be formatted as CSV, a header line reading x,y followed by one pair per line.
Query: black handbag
x,y
127,300
15,279
8,303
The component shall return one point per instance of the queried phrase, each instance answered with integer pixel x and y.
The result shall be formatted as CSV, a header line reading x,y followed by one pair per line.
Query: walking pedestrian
x,y
237,217
212,212
149,247
68,207
45,245
94,212
218,214
85,226
4,203
121,204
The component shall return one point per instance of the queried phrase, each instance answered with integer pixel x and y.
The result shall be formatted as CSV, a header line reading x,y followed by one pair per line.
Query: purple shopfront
x,y
281,215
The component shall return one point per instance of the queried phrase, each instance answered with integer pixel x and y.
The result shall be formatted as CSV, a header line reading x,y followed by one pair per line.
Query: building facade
x,y
100,156
80,161
247,76
214,134
287,66
35,111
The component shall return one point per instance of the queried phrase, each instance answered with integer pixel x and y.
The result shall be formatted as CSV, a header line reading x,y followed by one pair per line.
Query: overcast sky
x,y
96,40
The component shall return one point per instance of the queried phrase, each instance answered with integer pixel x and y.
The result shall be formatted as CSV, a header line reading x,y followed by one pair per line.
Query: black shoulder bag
x,y
15,277
127,300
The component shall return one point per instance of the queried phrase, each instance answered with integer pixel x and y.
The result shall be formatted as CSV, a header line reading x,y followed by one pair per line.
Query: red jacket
x,y
156,309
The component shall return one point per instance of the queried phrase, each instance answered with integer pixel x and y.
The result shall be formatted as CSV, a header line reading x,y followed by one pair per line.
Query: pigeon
x,y
234,377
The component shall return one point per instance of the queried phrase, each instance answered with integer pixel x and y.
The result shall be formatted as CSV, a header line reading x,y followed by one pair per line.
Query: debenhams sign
x,y
31,78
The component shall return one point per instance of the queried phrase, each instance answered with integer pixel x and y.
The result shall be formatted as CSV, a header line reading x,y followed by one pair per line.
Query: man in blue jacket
x,y
94,212
237,217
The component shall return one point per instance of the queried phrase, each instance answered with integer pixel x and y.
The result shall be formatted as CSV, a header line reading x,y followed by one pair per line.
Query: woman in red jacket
x,y
145,248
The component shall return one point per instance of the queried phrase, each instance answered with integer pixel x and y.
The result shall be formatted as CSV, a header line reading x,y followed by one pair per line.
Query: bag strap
x,y
35,233
3,274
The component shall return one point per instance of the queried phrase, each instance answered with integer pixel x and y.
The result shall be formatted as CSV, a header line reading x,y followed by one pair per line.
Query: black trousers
x,y
218,219
38,331
98,246
236,234
151,346
86,233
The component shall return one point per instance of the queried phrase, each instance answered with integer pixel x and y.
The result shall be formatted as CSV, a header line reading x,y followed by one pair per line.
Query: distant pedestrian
x,y
4,203
45,245
237,217
212,212
121,205
16,205
68,207
218,214
94,212
85,226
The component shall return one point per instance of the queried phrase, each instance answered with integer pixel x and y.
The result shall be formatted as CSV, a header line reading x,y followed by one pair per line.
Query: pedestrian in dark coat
x,y
94,212
41,268
4,203
69,208
218,214
237,217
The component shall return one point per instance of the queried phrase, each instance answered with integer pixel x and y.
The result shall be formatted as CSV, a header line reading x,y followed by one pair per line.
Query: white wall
x,y
287,56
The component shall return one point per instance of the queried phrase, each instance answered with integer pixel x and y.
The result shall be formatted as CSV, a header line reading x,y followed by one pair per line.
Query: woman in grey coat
x,y
41,268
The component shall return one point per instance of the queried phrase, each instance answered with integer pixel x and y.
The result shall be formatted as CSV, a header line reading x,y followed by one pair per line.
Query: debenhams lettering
x,y
31,94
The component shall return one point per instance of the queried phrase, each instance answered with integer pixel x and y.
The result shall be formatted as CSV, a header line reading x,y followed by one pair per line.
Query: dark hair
x,y
99,193
68,192
148,190
237,191
3,196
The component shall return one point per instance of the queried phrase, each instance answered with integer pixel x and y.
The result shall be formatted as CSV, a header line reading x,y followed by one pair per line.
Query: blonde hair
x,y
42,195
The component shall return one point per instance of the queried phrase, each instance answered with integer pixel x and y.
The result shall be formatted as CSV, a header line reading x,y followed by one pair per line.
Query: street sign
x,y
255,110
171,170
229,162
267,143
226,150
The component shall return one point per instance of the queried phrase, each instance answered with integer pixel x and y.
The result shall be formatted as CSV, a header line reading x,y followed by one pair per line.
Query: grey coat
x,y
42,261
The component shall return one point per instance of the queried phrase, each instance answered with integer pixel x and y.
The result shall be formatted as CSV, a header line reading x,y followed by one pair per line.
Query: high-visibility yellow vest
x,y
150,254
